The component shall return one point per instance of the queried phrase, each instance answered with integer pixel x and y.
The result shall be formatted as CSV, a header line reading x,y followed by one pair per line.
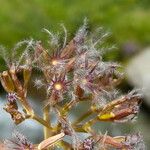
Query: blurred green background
x,y
128,21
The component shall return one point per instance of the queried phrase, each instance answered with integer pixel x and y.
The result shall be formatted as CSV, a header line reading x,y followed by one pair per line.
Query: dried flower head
x,y
94,82
121,110
134,142
85,76
59,84
18,142
16,115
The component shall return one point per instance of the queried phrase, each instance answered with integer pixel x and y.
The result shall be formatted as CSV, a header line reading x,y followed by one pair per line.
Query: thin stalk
x,y
66,108
41,121
82,117
87,126
65,145
46,117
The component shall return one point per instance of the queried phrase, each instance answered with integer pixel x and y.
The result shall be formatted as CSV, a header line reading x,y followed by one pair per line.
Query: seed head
x,y
134,142
18,142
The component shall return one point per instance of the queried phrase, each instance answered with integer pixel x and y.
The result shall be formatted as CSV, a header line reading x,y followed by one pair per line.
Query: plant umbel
x,y
72,73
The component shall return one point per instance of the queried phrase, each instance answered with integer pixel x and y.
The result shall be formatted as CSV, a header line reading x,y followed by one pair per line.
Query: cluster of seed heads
x,y
72,73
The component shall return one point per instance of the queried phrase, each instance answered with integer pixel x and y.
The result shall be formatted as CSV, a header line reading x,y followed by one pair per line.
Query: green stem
x,y
68,106
46,117
87,126
41,121
81,118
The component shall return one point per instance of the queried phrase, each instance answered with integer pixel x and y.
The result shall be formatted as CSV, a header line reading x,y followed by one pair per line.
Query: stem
x,y
65,145
87,126
46,117
81,118
20,91
68,106
26,105
41,121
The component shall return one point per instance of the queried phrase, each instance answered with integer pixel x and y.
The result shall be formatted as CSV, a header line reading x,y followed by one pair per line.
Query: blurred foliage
x,y
128,20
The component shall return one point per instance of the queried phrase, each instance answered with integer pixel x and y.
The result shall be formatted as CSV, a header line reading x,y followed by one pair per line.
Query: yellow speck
x,y
106,116
58,86
84,81
54,62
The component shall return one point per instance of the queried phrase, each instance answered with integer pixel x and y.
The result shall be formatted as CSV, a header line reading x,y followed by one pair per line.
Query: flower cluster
x,y
72,72
18,142
129,142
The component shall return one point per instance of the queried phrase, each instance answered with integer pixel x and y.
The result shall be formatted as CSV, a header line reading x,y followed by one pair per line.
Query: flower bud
x,y
88,144
11,97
